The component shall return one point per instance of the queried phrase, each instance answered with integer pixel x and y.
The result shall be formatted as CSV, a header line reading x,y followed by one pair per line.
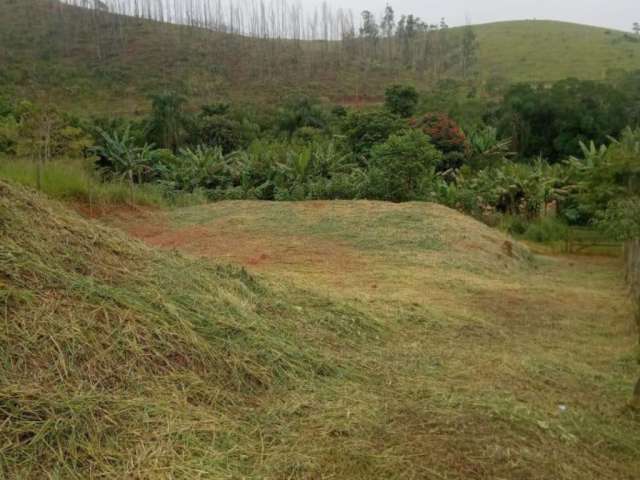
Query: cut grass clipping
x,y
121,362
118,361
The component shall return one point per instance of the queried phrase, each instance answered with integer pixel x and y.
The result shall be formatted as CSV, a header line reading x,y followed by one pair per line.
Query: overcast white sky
x,y
619,14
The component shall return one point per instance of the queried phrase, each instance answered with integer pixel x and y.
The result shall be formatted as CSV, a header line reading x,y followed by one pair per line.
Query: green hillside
x,y
105,62
536,50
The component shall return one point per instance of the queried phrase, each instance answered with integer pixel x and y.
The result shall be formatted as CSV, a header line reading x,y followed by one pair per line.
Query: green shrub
x,y
301,111
398,166
546,229
401,100
217,131
341,186
306,135
215,126
363,130
9,134
514,224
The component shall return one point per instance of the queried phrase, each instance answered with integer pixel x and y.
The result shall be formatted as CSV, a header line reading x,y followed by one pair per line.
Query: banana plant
x,y
327,160
592,156
203,167
128,160
487,149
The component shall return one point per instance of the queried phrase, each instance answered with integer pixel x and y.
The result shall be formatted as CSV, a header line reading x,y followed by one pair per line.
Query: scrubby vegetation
x,y
533,153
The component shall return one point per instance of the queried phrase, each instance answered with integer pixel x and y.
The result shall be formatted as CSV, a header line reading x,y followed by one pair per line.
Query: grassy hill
x,y
536,50
82,61
366,340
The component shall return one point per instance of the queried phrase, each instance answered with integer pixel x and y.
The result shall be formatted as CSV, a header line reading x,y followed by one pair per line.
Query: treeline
x,y
449,145
280,32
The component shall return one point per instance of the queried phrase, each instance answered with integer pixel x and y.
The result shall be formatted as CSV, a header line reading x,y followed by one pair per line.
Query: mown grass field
x,y
468,356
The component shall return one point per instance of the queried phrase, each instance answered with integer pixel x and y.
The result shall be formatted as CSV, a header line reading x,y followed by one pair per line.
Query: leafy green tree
x,y
552,121
621,216
217,130
363,130
401,100
602,175
301,111
399,165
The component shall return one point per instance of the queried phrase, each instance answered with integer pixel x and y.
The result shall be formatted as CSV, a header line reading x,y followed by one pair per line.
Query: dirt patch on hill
x,y
225,243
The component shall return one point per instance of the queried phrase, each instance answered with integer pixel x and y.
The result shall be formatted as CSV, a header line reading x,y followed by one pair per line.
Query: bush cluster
x,y
522,155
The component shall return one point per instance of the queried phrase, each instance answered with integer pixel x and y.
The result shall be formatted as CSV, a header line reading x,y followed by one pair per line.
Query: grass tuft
x,y
74,180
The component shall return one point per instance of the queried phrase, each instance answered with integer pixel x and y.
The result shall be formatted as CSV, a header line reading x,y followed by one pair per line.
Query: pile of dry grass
x,y
464,362
118,361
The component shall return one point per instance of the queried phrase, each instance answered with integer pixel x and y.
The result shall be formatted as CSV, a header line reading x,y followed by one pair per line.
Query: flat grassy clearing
x,y
487,361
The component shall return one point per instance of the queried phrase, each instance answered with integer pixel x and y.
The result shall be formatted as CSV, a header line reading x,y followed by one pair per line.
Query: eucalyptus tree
x,y
370,32
387,25
469,50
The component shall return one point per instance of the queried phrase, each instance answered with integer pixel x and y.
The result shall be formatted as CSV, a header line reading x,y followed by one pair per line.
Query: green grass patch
x,y
75,180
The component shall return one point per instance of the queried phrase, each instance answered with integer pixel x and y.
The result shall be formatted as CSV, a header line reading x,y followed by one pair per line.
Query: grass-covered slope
x,y
378,341
537,50
84,63
117,361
